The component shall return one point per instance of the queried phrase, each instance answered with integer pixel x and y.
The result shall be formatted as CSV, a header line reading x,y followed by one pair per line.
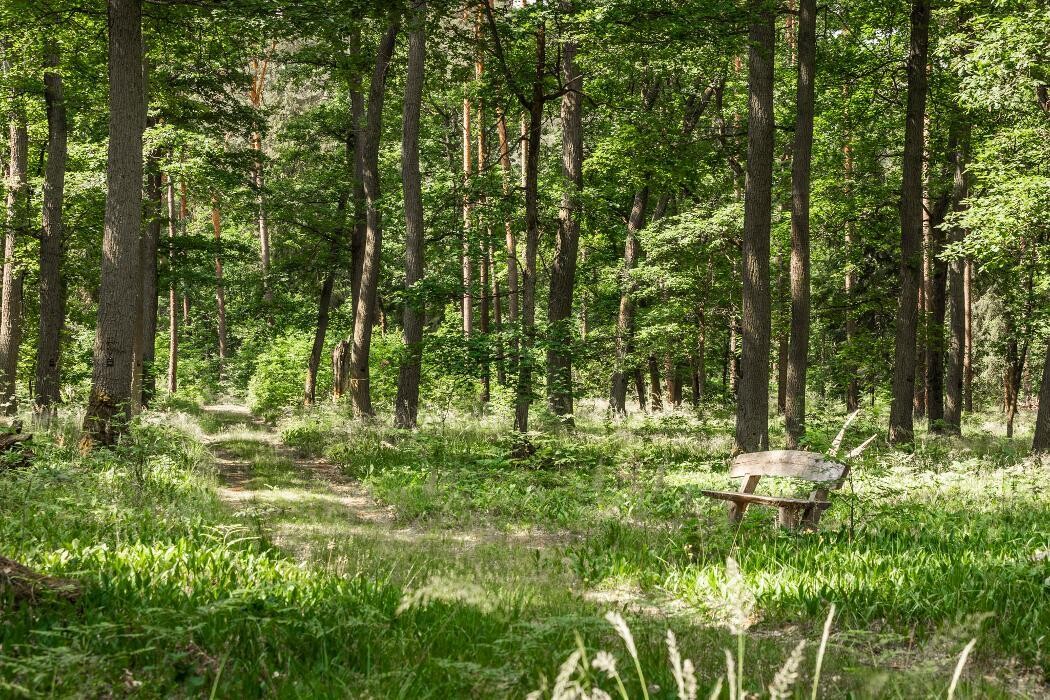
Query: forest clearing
x,y
575,349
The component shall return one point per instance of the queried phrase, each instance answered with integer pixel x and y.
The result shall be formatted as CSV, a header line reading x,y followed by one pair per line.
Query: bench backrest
x,y
811,466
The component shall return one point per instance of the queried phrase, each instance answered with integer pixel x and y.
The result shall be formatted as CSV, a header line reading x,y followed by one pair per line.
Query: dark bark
x,y
173,316
801,154
150,242
1041,441
625,320
752,412
357,232
120,302
563,272
52,247
365,311
523,390
935,335
406,405
953,394
901,424
13,273
655,391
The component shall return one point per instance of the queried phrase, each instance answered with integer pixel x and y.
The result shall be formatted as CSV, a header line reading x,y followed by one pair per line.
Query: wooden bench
x,y
793,512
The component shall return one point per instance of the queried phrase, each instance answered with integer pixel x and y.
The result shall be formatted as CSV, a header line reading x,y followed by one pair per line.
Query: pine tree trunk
x,y
52,247
406,406
255,96
752,412
357,233
935,335
118,331
798,351
901,423
563,271
625,320
365,311
173,317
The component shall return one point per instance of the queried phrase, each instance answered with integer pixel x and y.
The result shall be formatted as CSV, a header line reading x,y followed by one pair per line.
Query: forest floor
x,y
222,555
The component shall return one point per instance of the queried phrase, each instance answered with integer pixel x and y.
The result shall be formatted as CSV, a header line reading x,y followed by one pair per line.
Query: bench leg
x,y
736,512
787,517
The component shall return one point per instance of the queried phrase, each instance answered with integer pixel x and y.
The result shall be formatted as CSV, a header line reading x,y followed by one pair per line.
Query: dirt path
x,y
244,441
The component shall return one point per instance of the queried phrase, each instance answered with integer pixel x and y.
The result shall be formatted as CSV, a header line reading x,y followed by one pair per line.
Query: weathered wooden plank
x,y
811,466
757,499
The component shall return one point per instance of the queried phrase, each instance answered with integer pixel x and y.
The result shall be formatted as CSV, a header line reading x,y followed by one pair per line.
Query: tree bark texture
x,y
365,310
52,247
173,316
752,412
801,156
118,330
901,424
406,405
17,228
563,272
625,320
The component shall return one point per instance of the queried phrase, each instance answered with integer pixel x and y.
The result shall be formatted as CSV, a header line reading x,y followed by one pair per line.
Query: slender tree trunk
x,y
511,249
255,96
150,243
935,336
467,304
497,315
625,322
563,272
798,352
365,312
523,391
852,243
752,412
220,292
953,396
357,233
901,424
1041,441
968,353
13,273
120,293
511,244
406,406
52,247
173,316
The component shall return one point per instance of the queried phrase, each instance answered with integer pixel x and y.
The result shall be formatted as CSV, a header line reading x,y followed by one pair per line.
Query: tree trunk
x,y
173,317
523,391
656,398
968,353
220,292
1041,441
52,247
512,252
563,271
798,351
357,232
467,302
852,242
901,424
406,406
935,336
625,321
255,96
18,217
365,311
953,396
118,331
150,246
752,409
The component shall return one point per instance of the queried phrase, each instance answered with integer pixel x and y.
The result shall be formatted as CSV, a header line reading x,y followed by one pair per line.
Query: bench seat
x,y
774,501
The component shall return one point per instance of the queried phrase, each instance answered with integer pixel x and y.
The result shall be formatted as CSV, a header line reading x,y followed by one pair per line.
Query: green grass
x,y
289,594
